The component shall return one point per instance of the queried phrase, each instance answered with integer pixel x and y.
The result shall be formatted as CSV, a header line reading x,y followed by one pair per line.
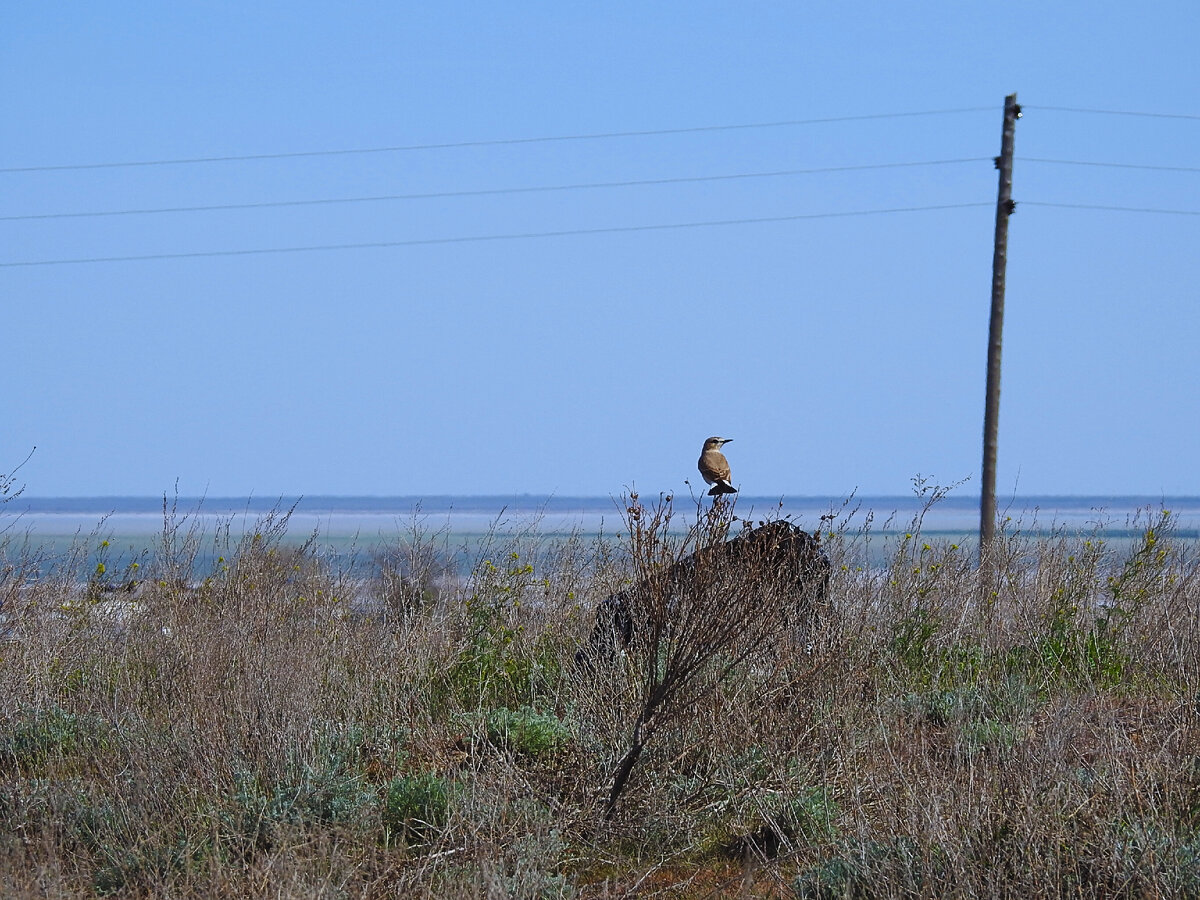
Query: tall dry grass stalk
x,y
285,725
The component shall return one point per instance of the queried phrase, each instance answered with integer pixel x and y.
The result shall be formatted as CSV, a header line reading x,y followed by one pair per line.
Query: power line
x,y
494,142
489,192
489,237
1133,209
1109,165
1112,112
574,232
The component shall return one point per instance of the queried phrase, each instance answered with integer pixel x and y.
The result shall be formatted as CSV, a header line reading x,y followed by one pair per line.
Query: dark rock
x,y
777,562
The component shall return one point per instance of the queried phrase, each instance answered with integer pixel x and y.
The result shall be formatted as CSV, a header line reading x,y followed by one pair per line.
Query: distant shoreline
x,y
367,516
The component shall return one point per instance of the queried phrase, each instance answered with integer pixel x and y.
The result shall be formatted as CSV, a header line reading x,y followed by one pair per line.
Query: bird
x,y
714,467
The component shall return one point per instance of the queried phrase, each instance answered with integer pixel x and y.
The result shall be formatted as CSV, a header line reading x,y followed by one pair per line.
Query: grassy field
x,y
1028,727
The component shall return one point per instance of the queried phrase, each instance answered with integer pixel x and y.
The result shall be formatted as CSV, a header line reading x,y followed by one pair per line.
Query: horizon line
x,y
160,498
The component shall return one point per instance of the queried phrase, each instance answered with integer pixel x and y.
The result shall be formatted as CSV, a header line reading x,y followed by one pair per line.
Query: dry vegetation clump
x,y
282,725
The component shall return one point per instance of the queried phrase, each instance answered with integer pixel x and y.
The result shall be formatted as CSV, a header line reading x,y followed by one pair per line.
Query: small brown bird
x,y
714,467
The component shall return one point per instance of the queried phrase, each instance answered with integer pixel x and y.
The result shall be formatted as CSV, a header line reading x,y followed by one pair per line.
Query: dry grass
x,y
1025,728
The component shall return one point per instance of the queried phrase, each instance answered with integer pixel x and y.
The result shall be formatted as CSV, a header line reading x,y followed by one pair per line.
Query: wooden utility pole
x,y
991,414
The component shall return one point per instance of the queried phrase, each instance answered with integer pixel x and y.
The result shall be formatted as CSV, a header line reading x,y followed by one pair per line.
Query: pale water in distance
x,y
356,525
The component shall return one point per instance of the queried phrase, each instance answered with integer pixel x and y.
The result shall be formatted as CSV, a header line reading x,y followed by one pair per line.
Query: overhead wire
x,y
491,237
1111,112
485,192
1108,165
1107,208
496,142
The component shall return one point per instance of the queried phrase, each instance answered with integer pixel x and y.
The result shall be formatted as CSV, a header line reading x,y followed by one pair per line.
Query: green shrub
x,y
499,664
39,737
527,732
1150,857
415,808
864,870
912,638
809,815
328,788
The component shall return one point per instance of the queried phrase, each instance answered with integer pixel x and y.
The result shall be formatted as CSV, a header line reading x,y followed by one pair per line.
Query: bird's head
x,y
715,443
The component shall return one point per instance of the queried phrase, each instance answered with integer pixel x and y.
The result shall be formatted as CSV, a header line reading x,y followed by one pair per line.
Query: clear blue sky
x,y
838,352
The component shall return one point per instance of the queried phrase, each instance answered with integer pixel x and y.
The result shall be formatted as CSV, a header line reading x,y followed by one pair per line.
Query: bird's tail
x,y
722,487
